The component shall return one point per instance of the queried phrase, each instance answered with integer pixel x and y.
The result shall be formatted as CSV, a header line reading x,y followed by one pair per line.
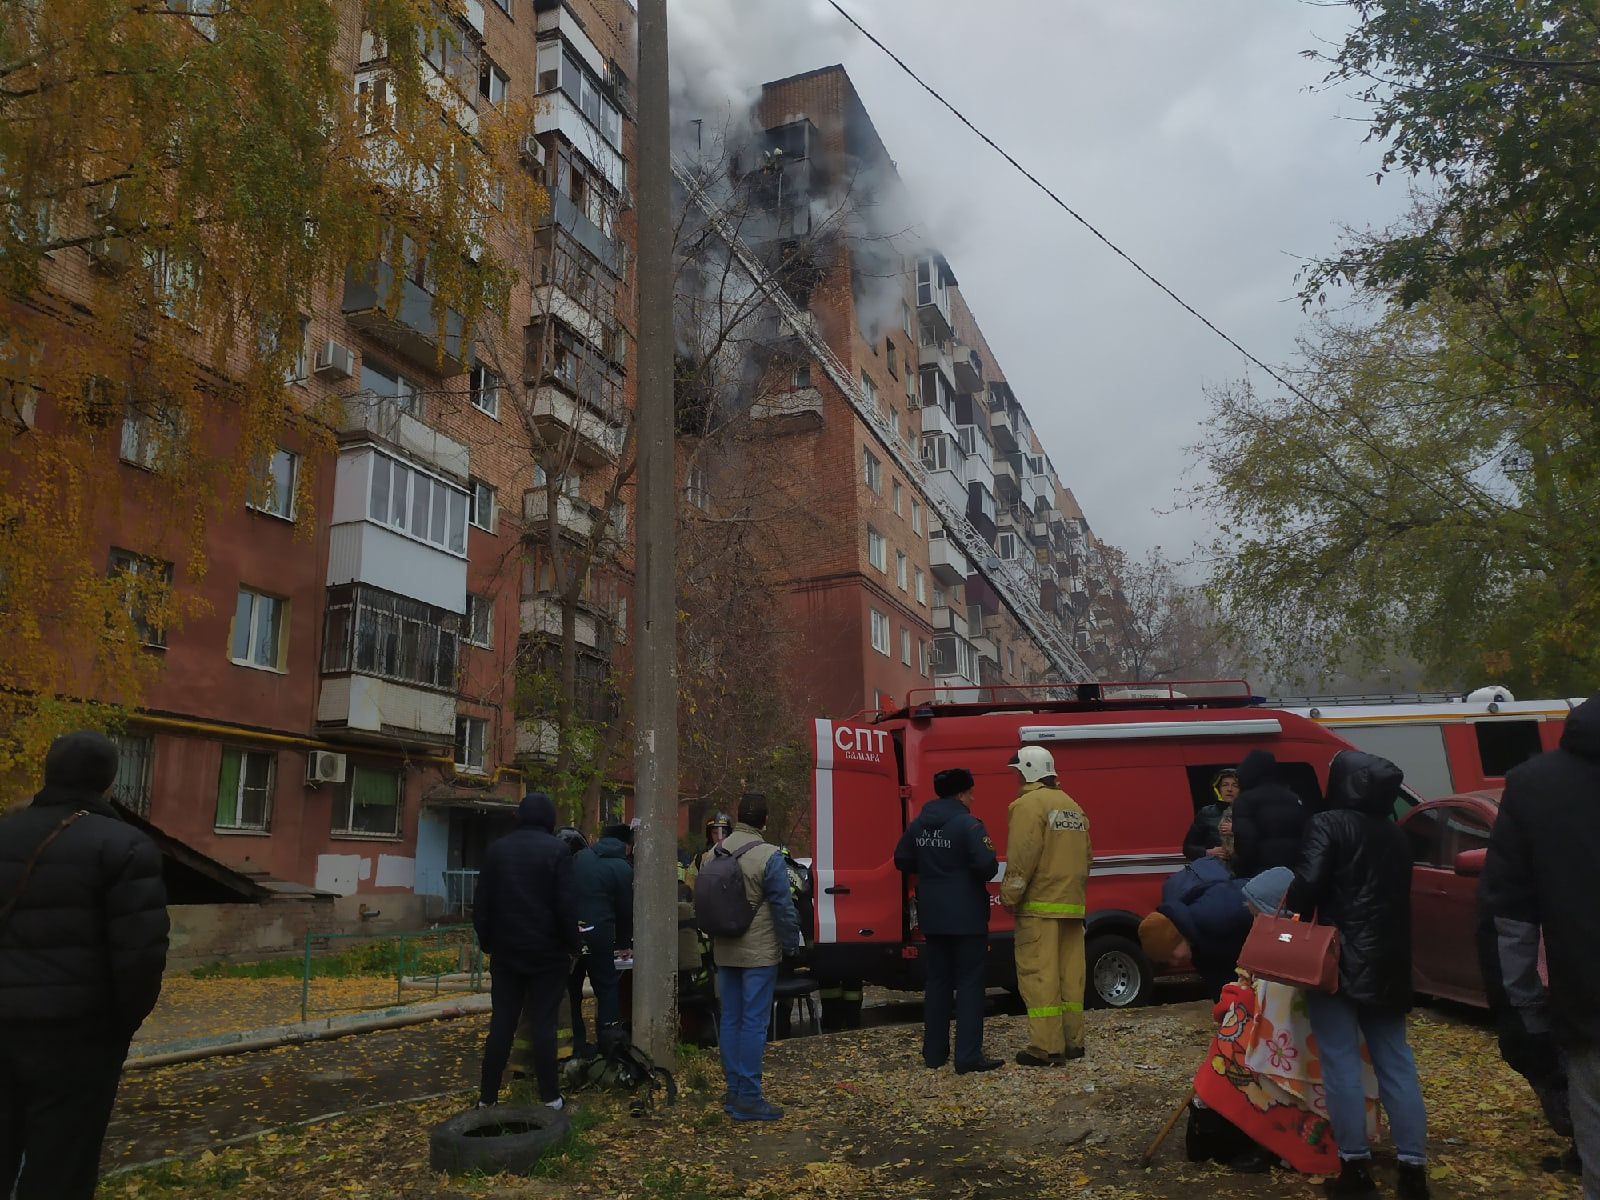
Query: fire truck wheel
x,y
502,1137
1117,972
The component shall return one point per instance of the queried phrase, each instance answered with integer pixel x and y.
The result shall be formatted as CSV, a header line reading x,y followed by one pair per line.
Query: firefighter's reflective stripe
x,y
1041,908
1049,1010
823,834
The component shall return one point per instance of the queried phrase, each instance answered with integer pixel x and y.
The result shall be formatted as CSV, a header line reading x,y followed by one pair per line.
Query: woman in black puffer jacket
x,y
1355,872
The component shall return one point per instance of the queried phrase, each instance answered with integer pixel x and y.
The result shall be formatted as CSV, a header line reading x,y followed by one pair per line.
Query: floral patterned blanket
x,y
1262,1074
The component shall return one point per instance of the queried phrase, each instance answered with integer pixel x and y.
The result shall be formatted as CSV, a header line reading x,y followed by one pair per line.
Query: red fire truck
x,y
1139,759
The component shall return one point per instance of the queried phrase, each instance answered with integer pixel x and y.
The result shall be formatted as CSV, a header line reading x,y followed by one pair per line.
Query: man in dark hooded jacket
x,y
527,923
1268,818
1355,872
602,881
1538,878
83,943
953,858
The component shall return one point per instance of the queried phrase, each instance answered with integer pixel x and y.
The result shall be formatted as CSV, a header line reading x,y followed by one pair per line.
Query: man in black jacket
x,y
602,884
83,942
1268,819
1539,878
527,923
1355,872
950,852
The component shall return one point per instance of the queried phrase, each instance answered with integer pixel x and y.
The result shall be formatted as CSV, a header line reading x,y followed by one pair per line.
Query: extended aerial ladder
x,y
1009,583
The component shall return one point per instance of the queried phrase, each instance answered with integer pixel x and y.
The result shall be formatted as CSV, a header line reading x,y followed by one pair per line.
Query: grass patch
x,y
576,1153
376,959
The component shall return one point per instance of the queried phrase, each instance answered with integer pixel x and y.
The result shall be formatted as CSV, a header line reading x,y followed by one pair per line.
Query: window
x,y
485,390
871,470
905,645
244,789
480,621
370,804
258,630
916,517
697,489
905,318
299,367
150,439
135,759
900,569
880,632
480,501
939,600
1006,545
417,504
371,632
381,381
911,387
174,280
1504,744
877,550
891,357
801,377
922,585
472,738
1011,661
922,657
1440,835
272,489
869,393
146,584
898,493
492,83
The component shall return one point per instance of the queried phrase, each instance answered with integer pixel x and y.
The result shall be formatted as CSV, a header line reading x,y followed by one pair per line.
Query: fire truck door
x,y
857,817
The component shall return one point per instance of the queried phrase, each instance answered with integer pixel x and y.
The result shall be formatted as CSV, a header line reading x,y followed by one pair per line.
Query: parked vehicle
x,y
1141,765
1449,838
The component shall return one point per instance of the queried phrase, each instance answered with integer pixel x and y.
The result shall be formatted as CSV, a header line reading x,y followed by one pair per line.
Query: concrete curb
x,y
145,1055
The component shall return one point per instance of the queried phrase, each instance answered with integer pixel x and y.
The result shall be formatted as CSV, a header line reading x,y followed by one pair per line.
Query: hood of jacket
x,y
537,810
1363,782
941,809
610,847
1582,733
1256,768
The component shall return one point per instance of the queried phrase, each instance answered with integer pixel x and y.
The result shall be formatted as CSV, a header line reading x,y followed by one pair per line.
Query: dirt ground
x,y
866,1119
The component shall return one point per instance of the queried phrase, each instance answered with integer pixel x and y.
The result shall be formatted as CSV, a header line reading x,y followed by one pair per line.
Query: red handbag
x,y
1285,950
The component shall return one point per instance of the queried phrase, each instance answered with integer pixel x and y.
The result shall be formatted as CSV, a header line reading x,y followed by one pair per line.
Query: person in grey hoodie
x,y
602,881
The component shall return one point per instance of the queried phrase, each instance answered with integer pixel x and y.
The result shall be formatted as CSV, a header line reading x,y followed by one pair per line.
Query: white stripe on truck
x,y
822,836
1134,730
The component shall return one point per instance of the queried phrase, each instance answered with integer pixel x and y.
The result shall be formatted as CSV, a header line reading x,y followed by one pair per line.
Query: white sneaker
x,y
558,1103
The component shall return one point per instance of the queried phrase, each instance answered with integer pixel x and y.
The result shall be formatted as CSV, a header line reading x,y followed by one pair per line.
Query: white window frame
x,y
869,390
269,491
457,503
480,611
880,632
920,577
905,645
916,516
481,494
472,745
697,488
484,389
280,609
897,492
877,550
239,825
129,564
871,471
900,565
146,438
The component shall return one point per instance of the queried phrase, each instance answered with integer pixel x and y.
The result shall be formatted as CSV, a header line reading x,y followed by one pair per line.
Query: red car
x,y
1448,839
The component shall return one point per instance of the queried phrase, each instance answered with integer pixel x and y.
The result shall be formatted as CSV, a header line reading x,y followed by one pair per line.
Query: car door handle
x,y
837,891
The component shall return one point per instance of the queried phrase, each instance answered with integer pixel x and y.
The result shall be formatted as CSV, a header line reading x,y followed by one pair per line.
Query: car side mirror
x,y
1470,862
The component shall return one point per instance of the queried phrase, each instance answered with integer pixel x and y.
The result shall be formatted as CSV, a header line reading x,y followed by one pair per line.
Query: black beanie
x,y
84,759
952,782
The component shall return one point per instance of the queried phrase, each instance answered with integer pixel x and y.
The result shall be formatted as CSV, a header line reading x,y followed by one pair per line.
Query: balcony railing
x,y
798,410
388,419
591,237
562,420
403,315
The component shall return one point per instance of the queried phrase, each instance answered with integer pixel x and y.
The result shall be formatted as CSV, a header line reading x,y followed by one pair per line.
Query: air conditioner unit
x,y
532,151
323,766
335,361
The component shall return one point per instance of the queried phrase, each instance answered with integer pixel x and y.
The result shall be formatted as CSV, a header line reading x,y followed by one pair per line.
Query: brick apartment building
x,y
950,555
342,712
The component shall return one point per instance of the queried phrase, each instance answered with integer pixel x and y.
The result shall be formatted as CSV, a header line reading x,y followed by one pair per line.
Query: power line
x,y
1062,204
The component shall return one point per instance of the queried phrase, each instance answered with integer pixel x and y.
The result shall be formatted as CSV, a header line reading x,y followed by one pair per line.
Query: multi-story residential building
x,y
342,712
942,548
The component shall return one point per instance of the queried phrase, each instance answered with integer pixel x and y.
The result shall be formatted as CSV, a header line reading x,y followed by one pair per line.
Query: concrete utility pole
x,y
655,672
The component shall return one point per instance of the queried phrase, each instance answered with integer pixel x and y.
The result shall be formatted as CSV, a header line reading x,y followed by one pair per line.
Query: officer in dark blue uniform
x,y
949,851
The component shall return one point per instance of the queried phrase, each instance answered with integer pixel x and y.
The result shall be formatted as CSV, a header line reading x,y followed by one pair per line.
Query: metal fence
x,y
423,962
460,888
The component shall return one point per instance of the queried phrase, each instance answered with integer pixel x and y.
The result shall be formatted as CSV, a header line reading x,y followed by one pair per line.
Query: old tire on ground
x,y
1116,972
504,1137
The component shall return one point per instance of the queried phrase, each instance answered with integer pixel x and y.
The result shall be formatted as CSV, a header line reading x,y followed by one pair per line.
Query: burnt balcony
x,y
797,411
968,369
402,314
1003,429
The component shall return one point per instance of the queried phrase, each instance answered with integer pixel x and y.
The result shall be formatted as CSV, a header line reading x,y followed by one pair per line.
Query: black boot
x,y
1413,1181
1353,1180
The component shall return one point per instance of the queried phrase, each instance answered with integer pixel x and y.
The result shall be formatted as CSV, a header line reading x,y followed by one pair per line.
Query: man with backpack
x,y
742,899
953,858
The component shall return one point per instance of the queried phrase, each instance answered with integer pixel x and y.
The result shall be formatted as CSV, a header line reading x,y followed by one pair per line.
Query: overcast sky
x,y
1190,132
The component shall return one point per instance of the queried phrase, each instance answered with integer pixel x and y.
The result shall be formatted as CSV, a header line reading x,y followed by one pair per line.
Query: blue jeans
x,y
1339,1025
746,995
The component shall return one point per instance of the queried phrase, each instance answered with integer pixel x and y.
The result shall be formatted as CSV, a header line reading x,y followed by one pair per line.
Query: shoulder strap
x,y
735,854
33,861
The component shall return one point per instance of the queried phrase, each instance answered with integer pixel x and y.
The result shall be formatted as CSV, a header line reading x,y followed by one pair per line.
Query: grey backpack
x,y
721,907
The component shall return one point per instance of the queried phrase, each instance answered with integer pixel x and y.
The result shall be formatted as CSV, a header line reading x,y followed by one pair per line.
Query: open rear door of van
x,y
857,816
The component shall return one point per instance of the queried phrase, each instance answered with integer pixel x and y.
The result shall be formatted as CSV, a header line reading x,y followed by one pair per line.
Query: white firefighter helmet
x,y
1033,763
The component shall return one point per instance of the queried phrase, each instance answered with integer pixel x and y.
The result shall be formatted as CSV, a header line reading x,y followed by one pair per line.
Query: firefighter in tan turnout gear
x,y
1047,871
